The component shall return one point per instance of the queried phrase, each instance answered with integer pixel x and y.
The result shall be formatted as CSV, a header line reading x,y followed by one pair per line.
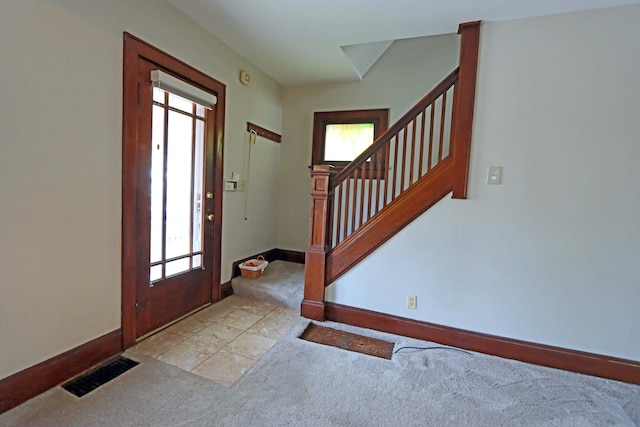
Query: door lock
x,y
210,217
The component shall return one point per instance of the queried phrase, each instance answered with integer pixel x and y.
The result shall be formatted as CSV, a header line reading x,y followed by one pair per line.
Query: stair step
x,y
282,283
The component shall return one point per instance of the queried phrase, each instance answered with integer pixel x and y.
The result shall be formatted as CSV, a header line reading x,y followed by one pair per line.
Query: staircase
x,y
419,160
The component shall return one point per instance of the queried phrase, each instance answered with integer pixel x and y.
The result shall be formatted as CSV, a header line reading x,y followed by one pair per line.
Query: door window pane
x,y
155,273
198,187
157,182
180,103
177,186
197,261
158,95
178,266
178,208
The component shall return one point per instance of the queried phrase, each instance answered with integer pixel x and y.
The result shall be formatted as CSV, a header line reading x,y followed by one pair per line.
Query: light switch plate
x,y
495,175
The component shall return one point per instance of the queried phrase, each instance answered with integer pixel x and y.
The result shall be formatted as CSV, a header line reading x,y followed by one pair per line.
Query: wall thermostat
x,y
245,78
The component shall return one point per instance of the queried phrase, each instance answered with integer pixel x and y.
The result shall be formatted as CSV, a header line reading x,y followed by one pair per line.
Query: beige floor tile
x,y
250,345
285,314
224,367
235,301
188,354
157,344
188,327
213,343
258,307
272,327
217,335
215,312
240,319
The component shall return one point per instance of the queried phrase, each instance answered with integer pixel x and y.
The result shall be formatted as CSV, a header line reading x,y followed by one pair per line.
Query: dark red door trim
x,y
135,49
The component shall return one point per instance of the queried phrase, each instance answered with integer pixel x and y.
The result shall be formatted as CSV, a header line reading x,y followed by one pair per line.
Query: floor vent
x,y
348,341
91,381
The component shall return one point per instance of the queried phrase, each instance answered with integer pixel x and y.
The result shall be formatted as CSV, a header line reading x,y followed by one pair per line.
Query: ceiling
x,y
304,41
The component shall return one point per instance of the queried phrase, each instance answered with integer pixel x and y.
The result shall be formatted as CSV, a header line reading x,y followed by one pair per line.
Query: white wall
x,y
553,255
401,77
60,163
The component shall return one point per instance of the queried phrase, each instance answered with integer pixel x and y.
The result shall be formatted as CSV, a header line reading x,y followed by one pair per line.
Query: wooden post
x,y
465,96
316,256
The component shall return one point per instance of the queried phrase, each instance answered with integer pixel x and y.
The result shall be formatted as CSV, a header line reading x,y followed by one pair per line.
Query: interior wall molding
x,y
538,354
24,385
265,133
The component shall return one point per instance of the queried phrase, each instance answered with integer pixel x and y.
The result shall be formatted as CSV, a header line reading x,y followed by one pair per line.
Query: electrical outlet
x,y
412,301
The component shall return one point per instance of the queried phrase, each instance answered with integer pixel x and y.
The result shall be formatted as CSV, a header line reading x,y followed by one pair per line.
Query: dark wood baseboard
x,y
225,290
291,256
313,310
539,354
270,255
24,385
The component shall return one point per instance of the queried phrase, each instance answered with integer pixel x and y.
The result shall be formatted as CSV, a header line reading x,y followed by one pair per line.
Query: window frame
x,y
379,117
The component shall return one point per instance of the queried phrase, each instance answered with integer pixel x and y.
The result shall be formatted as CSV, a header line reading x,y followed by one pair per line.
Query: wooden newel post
x,y
463,105
316,256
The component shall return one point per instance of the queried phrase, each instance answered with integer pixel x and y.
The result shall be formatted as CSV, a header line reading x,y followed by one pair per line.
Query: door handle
x,y
210,217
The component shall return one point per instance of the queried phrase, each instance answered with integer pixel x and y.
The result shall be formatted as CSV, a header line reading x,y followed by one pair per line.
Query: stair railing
x,y
406,152
424,155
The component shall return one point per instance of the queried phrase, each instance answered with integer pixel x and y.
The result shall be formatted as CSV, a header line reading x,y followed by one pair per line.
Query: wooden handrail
x,y
427,100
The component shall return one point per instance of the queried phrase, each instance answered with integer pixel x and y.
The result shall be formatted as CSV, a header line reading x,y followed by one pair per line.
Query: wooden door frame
x,y
135,49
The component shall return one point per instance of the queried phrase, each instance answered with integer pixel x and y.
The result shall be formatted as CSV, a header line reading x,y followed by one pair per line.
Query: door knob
x,y
210,217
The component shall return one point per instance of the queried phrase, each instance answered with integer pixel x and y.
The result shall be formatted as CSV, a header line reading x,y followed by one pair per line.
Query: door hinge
x,y
137,307
139,93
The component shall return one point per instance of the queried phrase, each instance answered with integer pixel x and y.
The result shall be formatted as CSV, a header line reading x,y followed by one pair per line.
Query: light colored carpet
x,y
282,283
298,383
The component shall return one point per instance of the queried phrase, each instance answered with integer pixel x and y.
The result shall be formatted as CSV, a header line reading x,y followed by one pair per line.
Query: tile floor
x,y
223,341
